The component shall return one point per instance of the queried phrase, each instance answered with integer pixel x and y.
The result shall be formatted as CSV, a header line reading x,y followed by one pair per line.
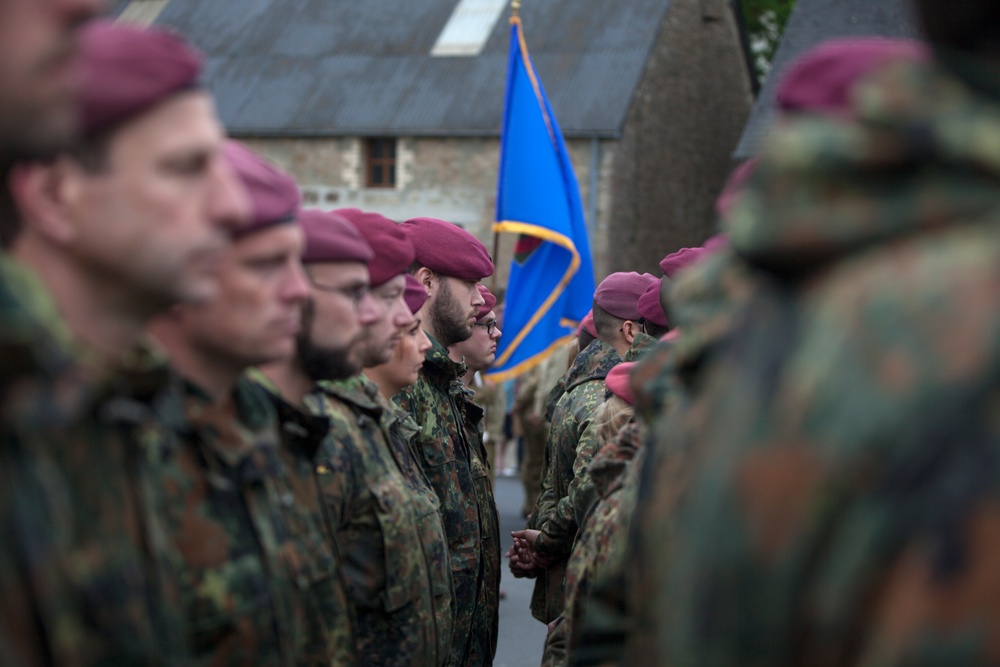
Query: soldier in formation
x,y
237,432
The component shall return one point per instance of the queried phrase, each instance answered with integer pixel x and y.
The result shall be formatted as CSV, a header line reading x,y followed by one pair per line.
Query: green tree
x,y
765,20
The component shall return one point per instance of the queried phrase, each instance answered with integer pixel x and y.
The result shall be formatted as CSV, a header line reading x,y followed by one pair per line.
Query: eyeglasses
x,y
356,293
490,326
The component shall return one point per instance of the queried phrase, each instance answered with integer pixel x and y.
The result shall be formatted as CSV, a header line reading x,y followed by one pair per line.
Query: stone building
x,y
395,106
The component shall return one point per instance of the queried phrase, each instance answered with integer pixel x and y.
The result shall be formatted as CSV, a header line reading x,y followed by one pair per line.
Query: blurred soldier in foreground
x,y
843,511
126,224
449,264
261,584
383,512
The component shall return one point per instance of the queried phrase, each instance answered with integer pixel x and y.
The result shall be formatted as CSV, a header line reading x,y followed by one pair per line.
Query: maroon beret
x,y
128,69
588,324
274,196
393,251
491,302
821,80
448,249
649,306
717,242
617,381
734,186
619,293
332,238
676,261
415,294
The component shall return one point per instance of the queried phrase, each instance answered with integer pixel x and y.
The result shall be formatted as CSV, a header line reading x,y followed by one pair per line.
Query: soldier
x,y
478,352
449,263
823,522
116,229
385,517
261,584
542,549
403,368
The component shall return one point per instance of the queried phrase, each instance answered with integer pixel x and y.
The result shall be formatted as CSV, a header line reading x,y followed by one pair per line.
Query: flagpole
x,y
515,10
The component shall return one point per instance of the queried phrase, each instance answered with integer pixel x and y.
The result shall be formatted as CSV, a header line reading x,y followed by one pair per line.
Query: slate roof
x,y
814,21
363,67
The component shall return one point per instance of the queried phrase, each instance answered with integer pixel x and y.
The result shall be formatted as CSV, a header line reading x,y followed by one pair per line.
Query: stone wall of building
x,y
454,179
684,122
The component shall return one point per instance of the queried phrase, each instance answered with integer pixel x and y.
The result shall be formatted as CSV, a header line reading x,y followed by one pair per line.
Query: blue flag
x,y
551,284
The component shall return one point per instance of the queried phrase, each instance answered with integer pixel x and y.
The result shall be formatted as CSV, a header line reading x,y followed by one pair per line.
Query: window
x,y
381,163
468,28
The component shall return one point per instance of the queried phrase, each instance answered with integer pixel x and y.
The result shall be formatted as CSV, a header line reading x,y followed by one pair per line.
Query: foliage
x,y
765,20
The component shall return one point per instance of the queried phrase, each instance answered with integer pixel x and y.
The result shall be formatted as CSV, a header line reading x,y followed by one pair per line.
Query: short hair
x,y
972,26
607,325
653,329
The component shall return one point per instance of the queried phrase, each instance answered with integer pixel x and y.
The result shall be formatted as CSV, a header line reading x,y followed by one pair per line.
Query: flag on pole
x,y
551,285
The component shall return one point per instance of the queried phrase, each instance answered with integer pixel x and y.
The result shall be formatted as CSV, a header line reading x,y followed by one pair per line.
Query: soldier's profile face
x,y
480,350
257,313
408,356
39,73
161,215
383,335
343,307
454,308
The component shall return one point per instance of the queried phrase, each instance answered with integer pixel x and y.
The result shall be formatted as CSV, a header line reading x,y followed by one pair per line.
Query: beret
x,y
734,186
619,293
332,238
821,80
393,251
617,381
491,302
415,294
649,306
448,249
676,261
128,69
588,324
713,243
274,196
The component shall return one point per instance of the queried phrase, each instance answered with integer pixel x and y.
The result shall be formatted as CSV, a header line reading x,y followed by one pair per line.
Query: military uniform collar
x,y
439,363
301,431
356,390
594,363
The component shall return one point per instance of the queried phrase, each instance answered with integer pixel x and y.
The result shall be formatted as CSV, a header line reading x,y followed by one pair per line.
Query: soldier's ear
x,y
39,194
629,330
428,279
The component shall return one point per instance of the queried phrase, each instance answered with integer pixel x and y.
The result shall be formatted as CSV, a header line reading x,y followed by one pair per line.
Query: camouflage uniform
x,y
843,511
533,388
387,528
257,570
81,580
567,493
600,544
450,451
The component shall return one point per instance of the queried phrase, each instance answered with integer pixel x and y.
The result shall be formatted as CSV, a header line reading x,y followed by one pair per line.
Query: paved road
x,y
521,636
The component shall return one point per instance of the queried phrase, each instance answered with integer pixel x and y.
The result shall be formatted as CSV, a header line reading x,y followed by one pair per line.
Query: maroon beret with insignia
x,y
128,69
448,249
393,251
332,238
